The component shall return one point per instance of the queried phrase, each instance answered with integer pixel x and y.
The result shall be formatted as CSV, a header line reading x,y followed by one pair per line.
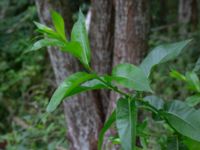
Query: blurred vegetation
x,y
27,80
26,83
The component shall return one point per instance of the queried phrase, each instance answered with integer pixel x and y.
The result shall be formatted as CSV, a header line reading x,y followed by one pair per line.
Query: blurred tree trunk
x,y
118,34
187,14
82,115
102,41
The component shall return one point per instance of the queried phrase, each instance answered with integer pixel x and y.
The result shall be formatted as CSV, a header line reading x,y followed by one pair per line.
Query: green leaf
x,y
76,50
45,43
161,54
70,84
58,24
126,121
73,48
193,81
191,144
79,34
193,100
155,102
46,30
93,84
183,118
177,75
131,77
106,126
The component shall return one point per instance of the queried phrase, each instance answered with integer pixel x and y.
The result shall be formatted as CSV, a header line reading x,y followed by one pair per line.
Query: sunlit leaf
x,y
58,24
79,34
47,31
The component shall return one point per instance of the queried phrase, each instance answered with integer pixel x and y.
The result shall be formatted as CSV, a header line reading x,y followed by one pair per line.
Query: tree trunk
x,y
131,33
82,114
131,37
187,13
102,41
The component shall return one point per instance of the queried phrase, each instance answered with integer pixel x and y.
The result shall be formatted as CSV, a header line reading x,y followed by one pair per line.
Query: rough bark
x,y
187,13
82,114
102,41
131,37
131,33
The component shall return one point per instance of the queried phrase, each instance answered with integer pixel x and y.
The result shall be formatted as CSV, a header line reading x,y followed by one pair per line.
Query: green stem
x,y
108,84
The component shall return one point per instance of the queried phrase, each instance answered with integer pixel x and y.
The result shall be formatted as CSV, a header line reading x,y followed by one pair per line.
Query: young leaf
x,y
184,119
106,126
46,30
126,121
58,24
193,100
73,48
79,34
161,54
45,43
70,84
131,77
177,75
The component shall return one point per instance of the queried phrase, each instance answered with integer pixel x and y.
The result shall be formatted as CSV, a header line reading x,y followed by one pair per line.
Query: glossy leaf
x,y
131,77
58,24
193,100
161,54
126,121
105,128
79,34
183,118
65,88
